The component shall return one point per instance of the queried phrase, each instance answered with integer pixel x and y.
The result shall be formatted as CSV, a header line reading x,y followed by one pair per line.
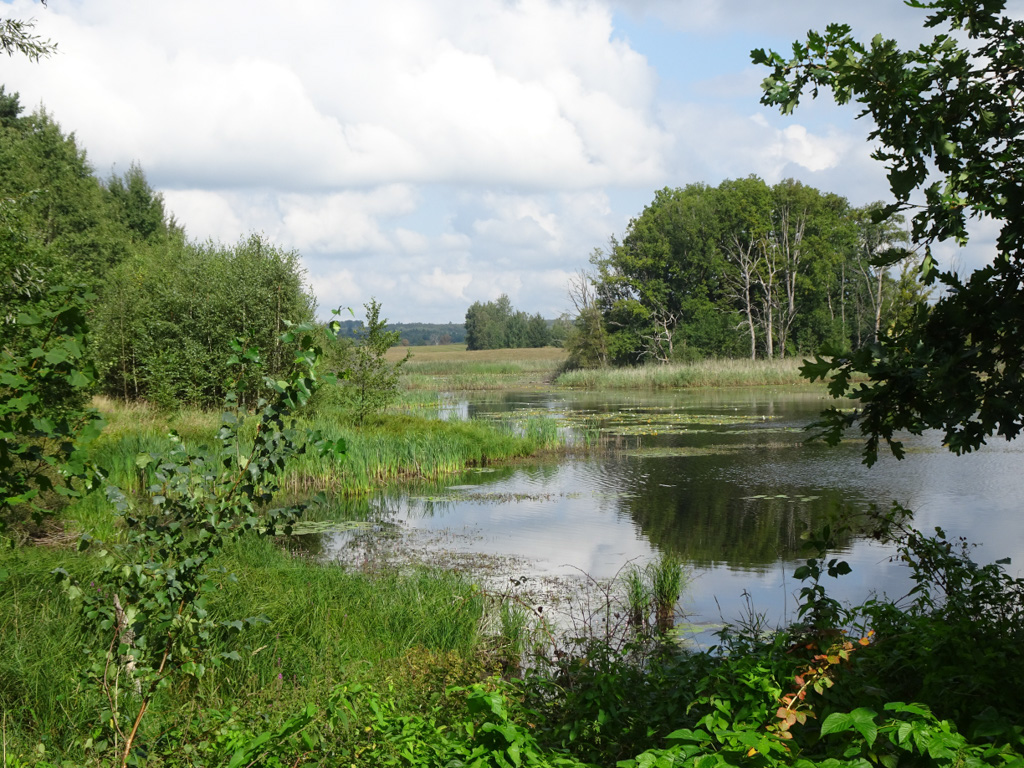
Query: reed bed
x,y
396,448
705,373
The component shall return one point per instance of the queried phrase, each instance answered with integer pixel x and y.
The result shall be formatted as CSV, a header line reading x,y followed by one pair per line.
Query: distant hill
x,y
414,334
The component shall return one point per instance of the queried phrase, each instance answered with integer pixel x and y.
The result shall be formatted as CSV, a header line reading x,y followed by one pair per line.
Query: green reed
x,y
666,579
705,373
397,446
404,447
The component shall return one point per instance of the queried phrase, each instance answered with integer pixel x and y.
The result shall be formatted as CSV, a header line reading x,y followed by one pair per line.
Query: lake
x,y
723,479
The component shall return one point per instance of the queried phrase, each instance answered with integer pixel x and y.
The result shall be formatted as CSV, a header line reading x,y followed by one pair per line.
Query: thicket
x,y
165,309
168,316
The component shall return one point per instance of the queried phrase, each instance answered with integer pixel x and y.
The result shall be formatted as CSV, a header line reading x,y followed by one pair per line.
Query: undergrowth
x,y
390,669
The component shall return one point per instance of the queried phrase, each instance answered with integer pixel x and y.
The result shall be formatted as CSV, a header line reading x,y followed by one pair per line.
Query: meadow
x,y
453,368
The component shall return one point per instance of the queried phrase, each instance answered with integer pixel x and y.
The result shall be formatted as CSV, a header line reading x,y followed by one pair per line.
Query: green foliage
x,y
947,127
665,271
61,208
138,207
367,382
740,269
152,626
497,325
16,37
169,314
489,734
45,427
585,341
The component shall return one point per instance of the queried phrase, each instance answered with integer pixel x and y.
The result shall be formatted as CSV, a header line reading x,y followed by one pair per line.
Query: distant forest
x,y
414,334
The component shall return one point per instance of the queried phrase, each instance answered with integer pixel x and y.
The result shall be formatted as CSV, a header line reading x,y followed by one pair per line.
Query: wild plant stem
x,y
149,697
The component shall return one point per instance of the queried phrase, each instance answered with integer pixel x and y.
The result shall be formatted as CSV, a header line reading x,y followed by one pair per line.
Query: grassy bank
x,y
705,373
324,626
386,448
410,630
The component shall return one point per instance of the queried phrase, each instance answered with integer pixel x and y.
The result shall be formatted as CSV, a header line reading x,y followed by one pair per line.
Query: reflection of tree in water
x,y
705,520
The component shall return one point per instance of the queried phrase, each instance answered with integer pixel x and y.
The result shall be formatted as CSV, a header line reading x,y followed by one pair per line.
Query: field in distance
x,y
453,367
459,353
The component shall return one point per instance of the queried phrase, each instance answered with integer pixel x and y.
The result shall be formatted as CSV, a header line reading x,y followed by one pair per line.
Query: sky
x,y
434,153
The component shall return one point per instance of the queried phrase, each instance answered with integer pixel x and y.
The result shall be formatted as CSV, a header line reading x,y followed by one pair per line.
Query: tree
x,y
16,37
661,285
138,207
537,332
168,317
881,244
497,325
948,126
586,341
45,372
45,424
61,203
745,208
370,382
485,327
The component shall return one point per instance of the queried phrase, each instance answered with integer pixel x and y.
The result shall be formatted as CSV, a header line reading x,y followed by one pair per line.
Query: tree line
x,y
411,334
744,269
498,325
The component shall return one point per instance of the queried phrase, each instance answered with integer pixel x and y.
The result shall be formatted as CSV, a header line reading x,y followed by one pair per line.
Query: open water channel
x,y
723,479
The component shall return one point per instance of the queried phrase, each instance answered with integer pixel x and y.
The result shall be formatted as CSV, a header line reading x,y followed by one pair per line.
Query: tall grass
x,y
325,626
392,448
666,580
386,448
706,373
41,691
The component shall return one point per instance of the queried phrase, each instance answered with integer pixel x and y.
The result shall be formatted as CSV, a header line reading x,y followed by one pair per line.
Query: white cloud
x,y
436,153
447,284
519,222
208,213
337,288
343,94
344,221
794,144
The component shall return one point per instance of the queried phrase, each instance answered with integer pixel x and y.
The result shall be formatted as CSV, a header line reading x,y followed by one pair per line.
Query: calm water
x,y
725,480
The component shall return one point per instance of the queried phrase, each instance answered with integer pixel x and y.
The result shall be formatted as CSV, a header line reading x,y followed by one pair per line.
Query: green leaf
x,y
837,722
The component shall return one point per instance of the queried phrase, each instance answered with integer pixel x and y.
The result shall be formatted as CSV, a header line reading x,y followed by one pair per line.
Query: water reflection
x,y
722,478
